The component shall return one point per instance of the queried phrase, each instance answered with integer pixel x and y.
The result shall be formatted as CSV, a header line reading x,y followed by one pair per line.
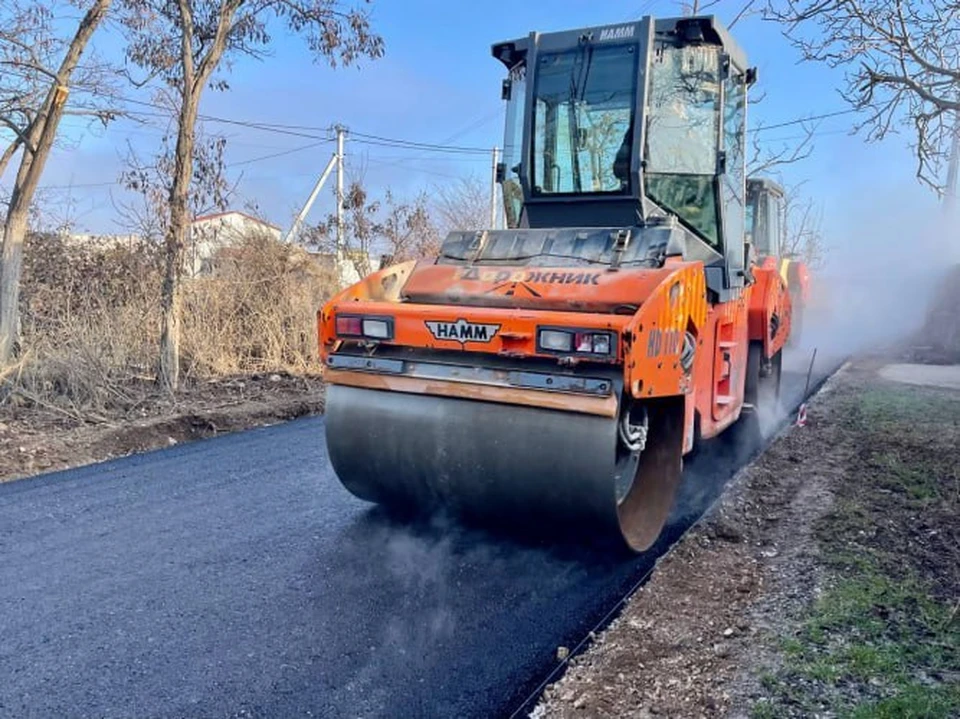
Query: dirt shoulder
x,y
36,438
825,583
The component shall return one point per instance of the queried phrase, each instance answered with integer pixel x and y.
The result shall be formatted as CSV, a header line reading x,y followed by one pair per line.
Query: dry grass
x,y
91,322
256,313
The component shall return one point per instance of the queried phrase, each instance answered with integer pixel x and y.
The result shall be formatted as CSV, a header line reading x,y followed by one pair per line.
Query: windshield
x,y
682,135
763,222
583,118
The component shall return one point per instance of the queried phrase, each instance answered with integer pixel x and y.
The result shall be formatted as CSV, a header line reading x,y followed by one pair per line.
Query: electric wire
x,y
801,120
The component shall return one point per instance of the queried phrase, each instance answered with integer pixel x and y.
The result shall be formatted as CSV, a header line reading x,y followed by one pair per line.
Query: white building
x,y
210,233
99,241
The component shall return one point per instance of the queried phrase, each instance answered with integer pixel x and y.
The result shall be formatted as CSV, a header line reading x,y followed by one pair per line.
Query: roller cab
x,y
555,372
766,217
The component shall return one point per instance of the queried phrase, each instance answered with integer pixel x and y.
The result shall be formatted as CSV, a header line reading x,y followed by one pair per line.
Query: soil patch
x,y
824,583
35,439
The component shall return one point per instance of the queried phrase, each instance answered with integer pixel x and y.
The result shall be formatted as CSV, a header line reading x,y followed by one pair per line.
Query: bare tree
x,y
696,7
150,180
801,220
902,62
769,157
183,43
390,230
699,7
462,205
408,229
39,67
360,229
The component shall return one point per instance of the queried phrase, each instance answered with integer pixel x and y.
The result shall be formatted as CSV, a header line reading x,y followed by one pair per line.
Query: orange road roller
x,y
554,372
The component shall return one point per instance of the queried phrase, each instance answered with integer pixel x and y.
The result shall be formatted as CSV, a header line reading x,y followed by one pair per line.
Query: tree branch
x,y
8,155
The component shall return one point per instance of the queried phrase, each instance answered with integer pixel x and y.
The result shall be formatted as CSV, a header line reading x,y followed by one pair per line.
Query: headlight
x,y
358,326
379,329
556,340
579,342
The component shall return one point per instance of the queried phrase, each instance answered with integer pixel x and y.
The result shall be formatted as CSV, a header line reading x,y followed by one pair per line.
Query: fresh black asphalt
x,y
235,577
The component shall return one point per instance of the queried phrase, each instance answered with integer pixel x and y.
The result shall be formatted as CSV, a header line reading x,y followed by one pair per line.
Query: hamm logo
x,y
617,33
462,331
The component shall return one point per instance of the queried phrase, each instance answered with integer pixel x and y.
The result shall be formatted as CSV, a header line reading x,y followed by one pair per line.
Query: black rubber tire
x,y
769,399
762,394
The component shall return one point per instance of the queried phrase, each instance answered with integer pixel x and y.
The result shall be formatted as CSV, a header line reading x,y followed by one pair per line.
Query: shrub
x,y
90,319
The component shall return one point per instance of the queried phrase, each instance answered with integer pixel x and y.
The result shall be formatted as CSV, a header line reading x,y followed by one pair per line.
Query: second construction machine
x,y
765,232
555,373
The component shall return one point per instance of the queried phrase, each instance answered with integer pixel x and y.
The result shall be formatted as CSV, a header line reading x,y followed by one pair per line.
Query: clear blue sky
x,y
438,84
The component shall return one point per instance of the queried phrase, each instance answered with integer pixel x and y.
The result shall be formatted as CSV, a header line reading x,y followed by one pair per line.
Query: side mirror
x,y
749,262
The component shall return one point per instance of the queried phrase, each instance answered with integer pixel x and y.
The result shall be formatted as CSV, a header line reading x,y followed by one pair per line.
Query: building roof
x,y
215,215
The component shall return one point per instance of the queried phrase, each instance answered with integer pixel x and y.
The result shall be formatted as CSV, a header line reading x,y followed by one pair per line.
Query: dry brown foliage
x,y
257,312
91,321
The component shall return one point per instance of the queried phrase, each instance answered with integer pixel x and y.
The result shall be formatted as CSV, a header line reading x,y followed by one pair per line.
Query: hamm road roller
x,y
554,373
766,233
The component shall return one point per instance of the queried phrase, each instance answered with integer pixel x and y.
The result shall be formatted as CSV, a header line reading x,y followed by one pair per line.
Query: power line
x,y
305,131
801,120
818,133
418,146
78,184
479,122
272,155
413,168
309,131
406,160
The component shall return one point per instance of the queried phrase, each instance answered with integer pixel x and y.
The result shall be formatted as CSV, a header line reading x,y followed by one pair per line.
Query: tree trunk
x,y
39,138
14,232
8,155
195,78
175,243
170,302
15,228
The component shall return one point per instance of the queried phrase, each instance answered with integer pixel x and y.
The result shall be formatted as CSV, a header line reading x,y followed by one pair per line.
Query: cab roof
x,y
765,183
701,28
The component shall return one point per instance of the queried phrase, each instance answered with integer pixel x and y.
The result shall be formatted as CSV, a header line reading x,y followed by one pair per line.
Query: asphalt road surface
x,y
235,577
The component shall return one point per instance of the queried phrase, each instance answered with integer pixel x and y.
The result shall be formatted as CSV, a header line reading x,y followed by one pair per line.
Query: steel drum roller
x,y
502,464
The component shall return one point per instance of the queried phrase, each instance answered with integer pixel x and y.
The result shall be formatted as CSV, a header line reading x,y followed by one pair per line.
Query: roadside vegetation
x,y
83,386
90,316
882,639
824,583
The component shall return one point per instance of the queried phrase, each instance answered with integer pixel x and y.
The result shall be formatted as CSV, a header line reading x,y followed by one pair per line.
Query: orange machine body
x,y
656,317
794,273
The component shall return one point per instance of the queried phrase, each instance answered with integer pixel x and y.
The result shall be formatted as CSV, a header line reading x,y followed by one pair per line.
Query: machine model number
x,y
666,342
462,331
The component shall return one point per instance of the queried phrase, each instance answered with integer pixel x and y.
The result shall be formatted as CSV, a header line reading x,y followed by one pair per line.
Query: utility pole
x,y
294,231
340,226
340,256
493,189
336,161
